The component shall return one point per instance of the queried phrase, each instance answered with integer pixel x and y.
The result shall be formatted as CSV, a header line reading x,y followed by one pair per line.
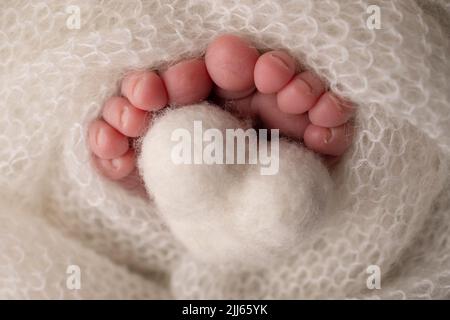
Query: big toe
x,y
231,61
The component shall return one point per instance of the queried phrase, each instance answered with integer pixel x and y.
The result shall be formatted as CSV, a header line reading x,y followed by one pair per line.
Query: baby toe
x,y
230,61
187,82
330,111
125,118
329,141
300,94
105,141
273,71
145,90
117,168
290,125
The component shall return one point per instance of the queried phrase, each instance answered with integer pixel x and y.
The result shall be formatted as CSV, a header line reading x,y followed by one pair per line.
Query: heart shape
x,y
229,213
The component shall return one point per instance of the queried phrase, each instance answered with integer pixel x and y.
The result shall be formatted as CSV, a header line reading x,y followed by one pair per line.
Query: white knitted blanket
x,y
66,232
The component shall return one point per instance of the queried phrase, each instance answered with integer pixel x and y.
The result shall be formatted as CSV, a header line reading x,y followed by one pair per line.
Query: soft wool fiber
x,y
389,201
232,213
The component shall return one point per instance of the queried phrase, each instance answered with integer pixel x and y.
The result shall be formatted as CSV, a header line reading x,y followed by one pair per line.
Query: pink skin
x,y
266,87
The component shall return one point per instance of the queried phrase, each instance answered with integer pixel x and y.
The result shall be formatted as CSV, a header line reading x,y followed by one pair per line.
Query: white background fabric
x,y
391,202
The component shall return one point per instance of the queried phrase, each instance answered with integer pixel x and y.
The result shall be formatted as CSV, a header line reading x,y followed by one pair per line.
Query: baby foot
x,y
265,87
126,118
268,88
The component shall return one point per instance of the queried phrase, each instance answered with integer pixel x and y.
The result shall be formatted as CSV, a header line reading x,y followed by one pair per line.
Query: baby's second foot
x,y
263,86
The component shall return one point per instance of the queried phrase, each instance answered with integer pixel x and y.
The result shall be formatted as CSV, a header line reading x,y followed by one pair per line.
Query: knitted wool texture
x,y
388,203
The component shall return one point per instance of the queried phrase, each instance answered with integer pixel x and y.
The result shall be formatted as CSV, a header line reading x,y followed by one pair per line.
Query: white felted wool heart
x,y
231,212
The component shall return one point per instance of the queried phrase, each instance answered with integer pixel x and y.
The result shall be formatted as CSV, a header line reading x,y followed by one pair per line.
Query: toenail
x,y
279,59
342,106
115,163
101,137
336,102
305,86
124,116
327,136
138,87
